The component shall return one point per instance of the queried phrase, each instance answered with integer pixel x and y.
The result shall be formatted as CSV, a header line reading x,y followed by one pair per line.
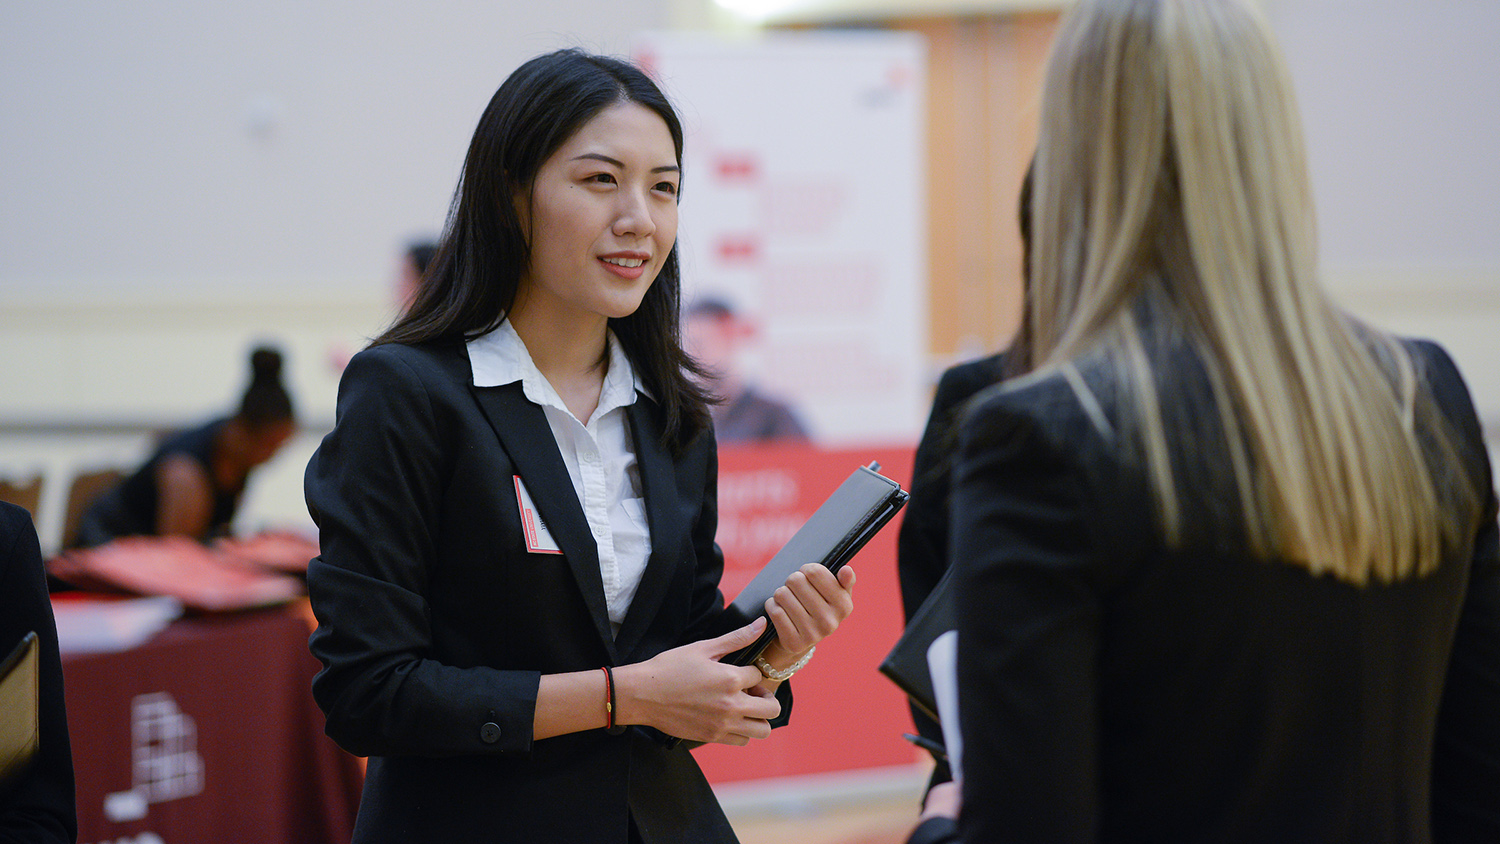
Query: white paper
x,y
98,626
942,662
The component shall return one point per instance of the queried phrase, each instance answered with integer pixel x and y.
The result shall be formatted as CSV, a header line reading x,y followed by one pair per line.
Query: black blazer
x,y
435,623
1114,690
923,540
38,806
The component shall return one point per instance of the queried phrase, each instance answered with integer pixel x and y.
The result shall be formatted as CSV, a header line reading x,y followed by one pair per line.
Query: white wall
x,y
174,146
1401,102
178,178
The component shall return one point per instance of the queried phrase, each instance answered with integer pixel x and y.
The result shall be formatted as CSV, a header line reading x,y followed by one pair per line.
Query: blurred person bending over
x,y
192,485
1226,556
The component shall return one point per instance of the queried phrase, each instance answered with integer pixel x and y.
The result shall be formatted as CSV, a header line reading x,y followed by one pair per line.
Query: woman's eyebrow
x,y
594,156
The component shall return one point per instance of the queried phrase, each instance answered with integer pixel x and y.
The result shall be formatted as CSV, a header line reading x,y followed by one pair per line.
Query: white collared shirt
x,y
599,455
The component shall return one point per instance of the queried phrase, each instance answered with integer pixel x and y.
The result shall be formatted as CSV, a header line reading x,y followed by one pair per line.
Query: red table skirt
x,y
208,733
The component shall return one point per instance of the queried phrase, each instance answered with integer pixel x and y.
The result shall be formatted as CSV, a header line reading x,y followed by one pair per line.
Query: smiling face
x,y
601,218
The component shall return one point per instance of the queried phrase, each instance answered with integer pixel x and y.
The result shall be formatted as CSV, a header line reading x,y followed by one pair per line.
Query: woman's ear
x,y
520,203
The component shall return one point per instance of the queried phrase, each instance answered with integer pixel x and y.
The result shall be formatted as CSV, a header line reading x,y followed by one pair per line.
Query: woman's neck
x,y
571,354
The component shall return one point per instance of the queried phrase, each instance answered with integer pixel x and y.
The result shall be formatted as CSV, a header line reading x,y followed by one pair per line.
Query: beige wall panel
x,y
983,78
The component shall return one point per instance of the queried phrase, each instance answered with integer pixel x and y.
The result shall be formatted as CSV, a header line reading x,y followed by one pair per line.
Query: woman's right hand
x,y
943,800
686,692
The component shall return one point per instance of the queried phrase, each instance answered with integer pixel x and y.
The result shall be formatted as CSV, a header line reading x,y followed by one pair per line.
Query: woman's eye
x,y
603,178
667,188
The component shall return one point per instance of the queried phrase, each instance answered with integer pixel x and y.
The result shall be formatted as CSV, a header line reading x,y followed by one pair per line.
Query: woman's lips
x,y
628,266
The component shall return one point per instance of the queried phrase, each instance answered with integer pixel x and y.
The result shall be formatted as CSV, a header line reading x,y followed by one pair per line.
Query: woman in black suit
x,y
37,803
191,485
923,540
1227,557
517,591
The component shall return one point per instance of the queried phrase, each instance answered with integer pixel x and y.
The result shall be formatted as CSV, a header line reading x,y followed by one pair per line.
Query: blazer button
x,y
489,733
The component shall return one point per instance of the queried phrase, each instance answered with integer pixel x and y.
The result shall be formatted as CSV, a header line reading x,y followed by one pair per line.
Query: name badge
x,y
538,539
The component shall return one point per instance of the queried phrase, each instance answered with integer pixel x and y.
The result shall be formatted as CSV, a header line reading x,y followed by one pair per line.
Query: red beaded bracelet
x,y
609,698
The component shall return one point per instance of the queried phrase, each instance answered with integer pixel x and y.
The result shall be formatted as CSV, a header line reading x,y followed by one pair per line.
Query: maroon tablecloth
x,y
208,733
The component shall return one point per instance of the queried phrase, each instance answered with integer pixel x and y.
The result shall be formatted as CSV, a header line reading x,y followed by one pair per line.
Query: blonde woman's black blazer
x,y
1115,690
435,623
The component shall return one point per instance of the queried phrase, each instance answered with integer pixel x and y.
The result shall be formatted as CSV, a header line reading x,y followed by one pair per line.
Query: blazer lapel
x,y
659,487
527,439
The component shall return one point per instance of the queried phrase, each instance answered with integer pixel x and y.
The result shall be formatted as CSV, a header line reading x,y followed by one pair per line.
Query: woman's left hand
x,y
807,608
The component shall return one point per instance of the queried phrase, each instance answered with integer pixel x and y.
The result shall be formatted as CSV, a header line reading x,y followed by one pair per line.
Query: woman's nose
x,y
633,216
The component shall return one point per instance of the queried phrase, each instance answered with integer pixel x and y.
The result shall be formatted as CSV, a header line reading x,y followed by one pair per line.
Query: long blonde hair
x,y
1171,178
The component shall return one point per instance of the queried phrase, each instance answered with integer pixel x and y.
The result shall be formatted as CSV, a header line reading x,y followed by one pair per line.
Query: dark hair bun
x,y
265,364
266,400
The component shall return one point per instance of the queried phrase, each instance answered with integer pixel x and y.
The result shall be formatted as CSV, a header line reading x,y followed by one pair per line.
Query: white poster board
x,y
803,205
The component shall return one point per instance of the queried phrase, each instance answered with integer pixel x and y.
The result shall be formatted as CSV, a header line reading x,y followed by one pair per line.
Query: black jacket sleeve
x,y
38,807
374,488
922,542
1032,576
1466,758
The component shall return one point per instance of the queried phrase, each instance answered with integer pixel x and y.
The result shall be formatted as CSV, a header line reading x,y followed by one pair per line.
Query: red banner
x,y
847,716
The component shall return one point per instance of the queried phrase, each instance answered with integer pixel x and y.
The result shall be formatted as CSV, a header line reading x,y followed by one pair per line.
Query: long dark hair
x,y
1018,356
472,280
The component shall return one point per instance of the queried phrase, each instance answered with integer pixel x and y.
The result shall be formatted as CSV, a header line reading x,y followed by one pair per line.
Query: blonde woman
x,y
1227,556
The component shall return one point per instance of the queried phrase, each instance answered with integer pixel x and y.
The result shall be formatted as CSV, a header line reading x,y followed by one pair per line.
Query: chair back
x,y
86,488
25,493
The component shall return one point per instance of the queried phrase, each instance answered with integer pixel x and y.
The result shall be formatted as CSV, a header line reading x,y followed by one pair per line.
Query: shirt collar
x,y
500,357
